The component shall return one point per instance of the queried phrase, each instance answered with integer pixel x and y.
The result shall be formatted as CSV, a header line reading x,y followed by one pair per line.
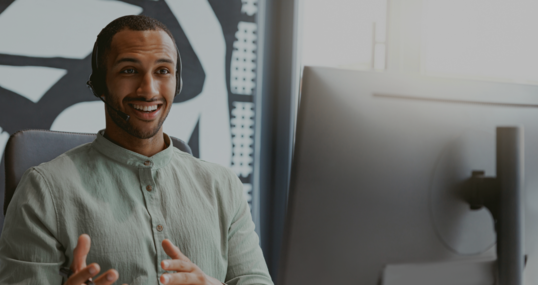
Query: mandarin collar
x,y
125,156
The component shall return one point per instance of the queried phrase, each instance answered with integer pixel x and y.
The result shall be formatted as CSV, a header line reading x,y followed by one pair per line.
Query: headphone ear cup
x,y
93,83
179,77
179,83
97,85
93,86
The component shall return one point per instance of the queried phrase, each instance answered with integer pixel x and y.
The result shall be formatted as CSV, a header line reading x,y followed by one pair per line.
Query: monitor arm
x,y
482,191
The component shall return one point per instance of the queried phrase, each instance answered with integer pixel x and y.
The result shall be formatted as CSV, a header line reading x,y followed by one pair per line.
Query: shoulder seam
x,y
74,150
51,198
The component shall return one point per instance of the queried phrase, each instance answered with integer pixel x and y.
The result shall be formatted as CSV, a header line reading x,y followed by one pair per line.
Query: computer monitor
x,y
377,158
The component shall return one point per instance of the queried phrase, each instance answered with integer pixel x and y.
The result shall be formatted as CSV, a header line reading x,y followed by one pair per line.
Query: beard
x,y
128,127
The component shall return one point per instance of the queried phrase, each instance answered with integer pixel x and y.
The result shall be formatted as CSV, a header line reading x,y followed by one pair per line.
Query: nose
x,y
148,86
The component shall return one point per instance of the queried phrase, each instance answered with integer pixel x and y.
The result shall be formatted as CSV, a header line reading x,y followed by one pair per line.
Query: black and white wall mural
x,y
45,51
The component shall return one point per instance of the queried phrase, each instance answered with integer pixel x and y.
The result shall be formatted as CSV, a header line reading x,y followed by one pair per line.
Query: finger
x,y
178,265
182,278
173,251
107,278
83,275
81,252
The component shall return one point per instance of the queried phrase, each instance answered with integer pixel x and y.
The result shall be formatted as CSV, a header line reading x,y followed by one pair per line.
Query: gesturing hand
x,y
81,272
187,272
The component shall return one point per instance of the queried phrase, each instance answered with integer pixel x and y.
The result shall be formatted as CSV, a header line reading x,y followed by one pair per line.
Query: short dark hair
x,y
104,42
131,22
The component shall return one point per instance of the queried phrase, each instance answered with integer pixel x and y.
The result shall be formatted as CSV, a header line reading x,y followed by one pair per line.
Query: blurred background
x,y
243,62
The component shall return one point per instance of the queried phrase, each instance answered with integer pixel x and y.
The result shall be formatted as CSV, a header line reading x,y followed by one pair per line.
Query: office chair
x,y
28,148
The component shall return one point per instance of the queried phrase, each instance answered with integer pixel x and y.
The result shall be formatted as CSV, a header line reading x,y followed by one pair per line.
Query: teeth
x,y
145,108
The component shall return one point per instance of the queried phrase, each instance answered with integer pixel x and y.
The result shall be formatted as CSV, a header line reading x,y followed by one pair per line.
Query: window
x,y
481,39
344,33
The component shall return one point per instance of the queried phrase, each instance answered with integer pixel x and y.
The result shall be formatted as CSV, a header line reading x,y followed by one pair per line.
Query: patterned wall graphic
x,y
243,69
45,52
243,142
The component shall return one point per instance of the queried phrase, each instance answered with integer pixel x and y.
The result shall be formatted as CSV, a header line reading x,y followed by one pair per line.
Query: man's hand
x,y
187,272
81,272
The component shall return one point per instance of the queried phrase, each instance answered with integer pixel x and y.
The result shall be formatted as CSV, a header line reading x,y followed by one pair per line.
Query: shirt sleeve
x,y
246,264
29,250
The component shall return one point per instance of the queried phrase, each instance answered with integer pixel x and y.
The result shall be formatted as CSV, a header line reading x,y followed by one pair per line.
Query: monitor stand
x,y
488,208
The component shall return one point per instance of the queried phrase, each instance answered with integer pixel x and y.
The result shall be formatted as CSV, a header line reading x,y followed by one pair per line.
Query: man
x,y
155,215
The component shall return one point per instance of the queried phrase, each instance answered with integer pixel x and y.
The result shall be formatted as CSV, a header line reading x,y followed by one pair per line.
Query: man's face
x,y
141,80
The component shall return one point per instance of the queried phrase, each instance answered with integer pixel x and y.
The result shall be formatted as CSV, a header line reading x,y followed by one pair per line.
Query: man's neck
x,y
147,147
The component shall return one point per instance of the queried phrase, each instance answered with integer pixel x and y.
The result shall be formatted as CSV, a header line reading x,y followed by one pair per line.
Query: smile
x,y
146,112
145,108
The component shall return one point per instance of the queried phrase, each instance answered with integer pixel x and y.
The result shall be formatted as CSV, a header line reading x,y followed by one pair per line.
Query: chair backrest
x,y
28,148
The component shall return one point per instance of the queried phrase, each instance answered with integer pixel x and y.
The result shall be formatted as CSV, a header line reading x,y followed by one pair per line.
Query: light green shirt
x,y
128,204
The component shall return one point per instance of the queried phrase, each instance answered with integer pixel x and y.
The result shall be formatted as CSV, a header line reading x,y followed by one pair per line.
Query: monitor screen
x,y
377,158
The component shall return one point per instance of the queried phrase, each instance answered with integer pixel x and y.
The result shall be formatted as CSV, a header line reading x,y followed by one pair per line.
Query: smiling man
x,y
129,207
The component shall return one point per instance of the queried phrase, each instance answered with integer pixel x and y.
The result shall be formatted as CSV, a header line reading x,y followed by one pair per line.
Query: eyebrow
x,y
131,59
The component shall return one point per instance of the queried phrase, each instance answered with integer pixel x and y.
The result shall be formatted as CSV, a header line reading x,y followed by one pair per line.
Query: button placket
x,y
149,190
146,179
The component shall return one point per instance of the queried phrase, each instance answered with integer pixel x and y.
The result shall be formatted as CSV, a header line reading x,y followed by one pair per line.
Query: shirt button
x,y
160,228
149,188
147,163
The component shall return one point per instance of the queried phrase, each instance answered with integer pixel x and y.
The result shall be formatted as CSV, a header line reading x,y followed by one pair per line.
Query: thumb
x,y
81,252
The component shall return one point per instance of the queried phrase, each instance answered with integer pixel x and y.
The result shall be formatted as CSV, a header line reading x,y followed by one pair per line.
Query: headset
x,y
97,84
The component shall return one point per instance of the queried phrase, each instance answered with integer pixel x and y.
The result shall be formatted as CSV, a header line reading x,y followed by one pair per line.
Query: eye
x,y
128,71
163,71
